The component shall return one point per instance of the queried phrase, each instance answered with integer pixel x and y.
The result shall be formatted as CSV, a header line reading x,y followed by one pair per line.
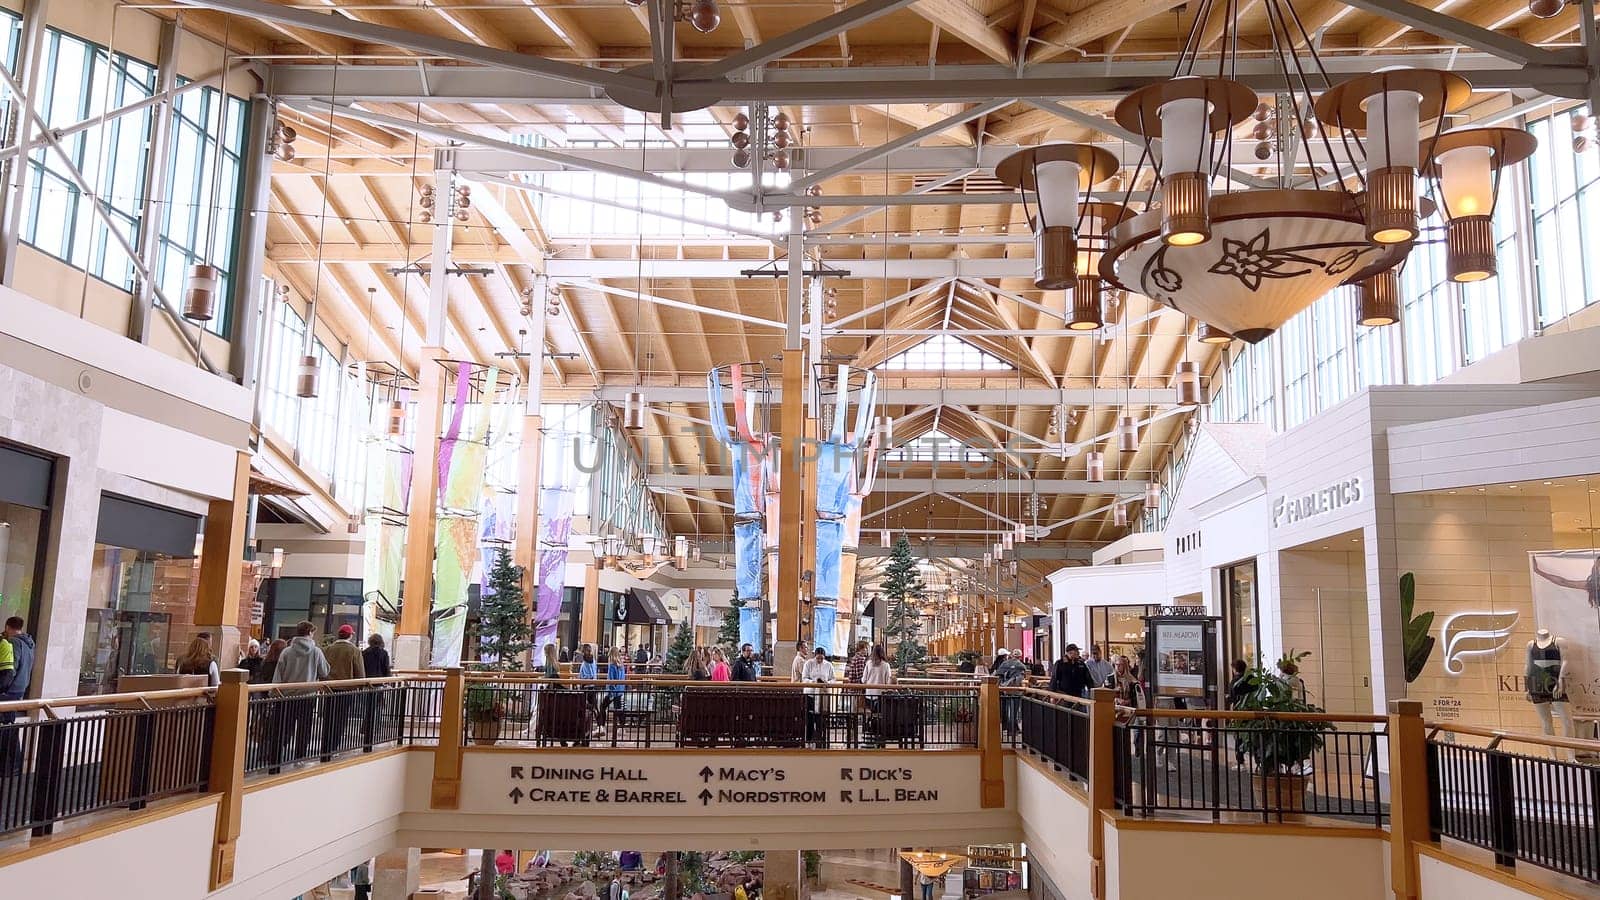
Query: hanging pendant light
x,y
988,559
1022,533
1467,165
1011,567
1095,463
1390,106
1189,393
1119,515
1050,178
883,539
305,383
1127,434
1008,540
999,550
200,292
1152,495
1211,334
680,553
633,411
1185,113
1379,297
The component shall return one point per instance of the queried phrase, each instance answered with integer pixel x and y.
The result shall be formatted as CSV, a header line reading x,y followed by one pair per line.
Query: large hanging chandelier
x,y
1242,258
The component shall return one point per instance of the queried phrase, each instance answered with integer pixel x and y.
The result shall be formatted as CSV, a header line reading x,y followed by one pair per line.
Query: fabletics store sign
x,y
1287,510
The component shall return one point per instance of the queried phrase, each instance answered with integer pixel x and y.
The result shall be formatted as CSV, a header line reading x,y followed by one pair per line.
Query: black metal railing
x,y
53,769
1057,730
293,724
1524,808
708,714
1273,768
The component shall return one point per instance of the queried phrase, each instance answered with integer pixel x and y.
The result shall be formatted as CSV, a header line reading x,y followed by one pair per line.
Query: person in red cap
x,y
344,663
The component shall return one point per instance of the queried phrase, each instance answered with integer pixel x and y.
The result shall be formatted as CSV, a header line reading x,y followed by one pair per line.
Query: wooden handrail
x,y
1543,740
106,699
526,678
343,683
1245,714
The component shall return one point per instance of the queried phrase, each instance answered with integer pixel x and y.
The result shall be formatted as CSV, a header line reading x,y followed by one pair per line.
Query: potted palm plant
x,y
1280,748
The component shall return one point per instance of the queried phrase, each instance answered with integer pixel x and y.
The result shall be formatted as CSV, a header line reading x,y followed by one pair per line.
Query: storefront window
x,y
326,603
24,519
1241,611
1119,630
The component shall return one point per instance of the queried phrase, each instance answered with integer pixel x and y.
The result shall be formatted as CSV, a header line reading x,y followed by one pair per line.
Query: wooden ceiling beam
x,y
1095,22
960,18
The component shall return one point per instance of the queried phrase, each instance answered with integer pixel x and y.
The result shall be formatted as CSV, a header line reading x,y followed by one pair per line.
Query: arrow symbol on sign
x,y
705,796
516,771
706,773
516,795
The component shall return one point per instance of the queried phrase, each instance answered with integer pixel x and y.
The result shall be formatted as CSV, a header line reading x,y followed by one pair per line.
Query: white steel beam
x,y
932,269
665,301
820,173
798,39
1002,397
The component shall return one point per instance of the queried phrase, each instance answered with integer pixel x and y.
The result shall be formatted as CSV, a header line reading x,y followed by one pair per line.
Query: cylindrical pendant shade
x,y
1185,126
1119,515
1008,540
305,384
1055,258
397,418
1469,249
1152,495
1393,120
200,292
1466,179
1127,434
1380,299
633,411
999,550
1391,205
1058,181
1185,209
1189,393
1088,313
883,539
1095,463
1211,334
988,559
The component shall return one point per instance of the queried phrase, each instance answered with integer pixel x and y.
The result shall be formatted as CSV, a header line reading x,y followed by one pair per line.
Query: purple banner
x,y
555,527
447,443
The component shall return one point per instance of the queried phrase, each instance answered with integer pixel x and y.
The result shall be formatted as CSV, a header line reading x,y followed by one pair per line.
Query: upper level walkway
x,y
266,790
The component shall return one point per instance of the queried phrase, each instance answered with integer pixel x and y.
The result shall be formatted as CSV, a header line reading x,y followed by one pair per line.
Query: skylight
x,y
948,354
935,446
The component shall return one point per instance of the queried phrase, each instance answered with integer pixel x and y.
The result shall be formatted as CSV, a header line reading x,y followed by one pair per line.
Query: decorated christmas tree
x,y
503,622
728,635
902,587
678,651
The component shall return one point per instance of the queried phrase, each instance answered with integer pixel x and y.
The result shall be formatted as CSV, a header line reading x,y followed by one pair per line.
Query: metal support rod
x,y
794,311
31,45
906,140
1591,46
156,179
799,39
252,225
439,275
113,227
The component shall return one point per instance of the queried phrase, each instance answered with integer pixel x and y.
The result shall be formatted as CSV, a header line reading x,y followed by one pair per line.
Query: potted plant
x,y
484,710
1280,748
961,717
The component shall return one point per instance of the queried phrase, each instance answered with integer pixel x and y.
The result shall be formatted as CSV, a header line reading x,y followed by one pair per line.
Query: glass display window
x,y
140,616
1241,612
1119,630
22,544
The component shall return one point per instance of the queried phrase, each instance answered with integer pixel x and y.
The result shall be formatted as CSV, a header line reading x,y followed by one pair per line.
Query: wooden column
x,y
446,792
999,627
1408,796
791,500
1102,782
227,770
221,558
422,510
589,619
991,746
525,549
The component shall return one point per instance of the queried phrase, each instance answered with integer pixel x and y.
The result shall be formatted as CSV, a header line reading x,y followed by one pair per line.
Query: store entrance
x,y
1323,603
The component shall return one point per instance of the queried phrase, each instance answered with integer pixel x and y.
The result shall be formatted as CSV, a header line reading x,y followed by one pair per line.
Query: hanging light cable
x,y
204,279
306,381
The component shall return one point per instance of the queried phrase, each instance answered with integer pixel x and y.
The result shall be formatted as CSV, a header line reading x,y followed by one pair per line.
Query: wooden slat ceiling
x,y
346,221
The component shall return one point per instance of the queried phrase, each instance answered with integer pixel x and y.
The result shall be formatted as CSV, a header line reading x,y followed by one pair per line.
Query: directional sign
x,y
731,783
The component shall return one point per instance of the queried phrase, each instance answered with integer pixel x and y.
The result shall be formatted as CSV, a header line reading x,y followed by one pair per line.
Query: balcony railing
x,y
293,724
664,712
1535,804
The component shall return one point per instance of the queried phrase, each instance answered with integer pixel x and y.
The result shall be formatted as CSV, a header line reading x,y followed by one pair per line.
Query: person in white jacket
x,y
817,670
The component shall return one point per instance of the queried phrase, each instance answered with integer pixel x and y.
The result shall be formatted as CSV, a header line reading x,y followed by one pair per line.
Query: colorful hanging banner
x,y
455,558
555,529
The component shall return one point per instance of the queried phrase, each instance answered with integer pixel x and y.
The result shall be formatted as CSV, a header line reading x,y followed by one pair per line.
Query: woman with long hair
x,y
699,668
269,662
551,668
719,666
198,659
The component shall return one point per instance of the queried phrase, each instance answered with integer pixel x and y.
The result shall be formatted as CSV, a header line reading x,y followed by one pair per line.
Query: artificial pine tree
x,y
728,636
678,651
504,623
902,587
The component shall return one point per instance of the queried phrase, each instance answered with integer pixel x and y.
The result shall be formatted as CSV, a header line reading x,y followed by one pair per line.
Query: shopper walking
x,y
817,670
1010,672
616,673
720,670
744,668
1099,667
375,661
926,884
269,662
857,664
699,668
252,659
1070,675
551,667
302,662
16,674
345,663
197,659
802,656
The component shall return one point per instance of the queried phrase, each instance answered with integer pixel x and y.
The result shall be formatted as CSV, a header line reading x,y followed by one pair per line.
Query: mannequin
x,y
1547,680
